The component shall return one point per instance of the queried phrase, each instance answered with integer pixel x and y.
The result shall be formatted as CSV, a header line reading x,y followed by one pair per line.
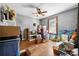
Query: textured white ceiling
x,y
51,8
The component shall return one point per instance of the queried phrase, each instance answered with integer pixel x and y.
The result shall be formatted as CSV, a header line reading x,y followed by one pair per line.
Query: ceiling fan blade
x,y
38,9
44,12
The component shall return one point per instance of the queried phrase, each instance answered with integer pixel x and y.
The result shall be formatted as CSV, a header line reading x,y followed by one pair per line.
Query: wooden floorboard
x,y
25,44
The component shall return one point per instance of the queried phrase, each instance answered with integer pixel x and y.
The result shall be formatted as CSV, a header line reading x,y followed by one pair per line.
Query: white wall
x,y
66,20
25,22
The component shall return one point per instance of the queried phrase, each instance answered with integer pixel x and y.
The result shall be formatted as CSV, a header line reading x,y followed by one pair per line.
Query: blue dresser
x,y
9,40
9,47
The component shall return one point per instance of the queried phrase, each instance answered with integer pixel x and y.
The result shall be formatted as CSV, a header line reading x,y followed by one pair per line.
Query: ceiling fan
x,y
39,11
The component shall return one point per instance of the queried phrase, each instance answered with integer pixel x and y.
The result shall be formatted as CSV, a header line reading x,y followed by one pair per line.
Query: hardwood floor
x,y
25,44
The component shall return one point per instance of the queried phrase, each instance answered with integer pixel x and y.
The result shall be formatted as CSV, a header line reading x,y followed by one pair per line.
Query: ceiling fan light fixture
x,y
38,15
